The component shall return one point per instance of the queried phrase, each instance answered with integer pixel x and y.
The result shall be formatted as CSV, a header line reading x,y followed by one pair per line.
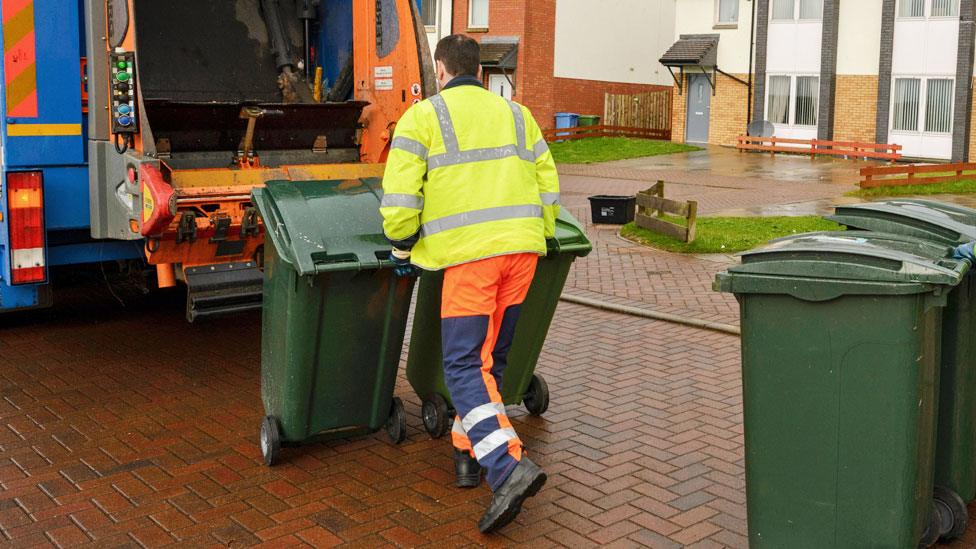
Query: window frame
x,y
791,107
471,24
719,24
926,12
796,14
923,104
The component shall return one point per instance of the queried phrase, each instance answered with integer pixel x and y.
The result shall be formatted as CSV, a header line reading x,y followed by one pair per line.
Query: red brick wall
x,y
535,86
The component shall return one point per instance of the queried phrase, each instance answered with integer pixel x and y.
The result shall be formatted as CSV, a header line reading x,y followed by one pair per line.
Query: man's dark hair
x,y
460,54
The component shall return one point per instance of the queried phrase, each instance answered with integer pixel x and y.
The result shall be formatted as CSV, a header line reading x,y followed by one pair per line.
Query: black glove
x,y
402,266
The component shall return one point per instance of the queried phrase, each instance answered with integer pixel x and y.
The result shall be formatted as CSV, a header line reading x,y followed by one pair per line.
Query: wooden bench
x,y
818,147
651,207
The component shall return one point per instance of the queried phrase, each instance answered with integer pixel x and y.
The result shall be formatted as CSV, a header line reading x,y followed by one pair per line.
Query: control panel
x,y
124,119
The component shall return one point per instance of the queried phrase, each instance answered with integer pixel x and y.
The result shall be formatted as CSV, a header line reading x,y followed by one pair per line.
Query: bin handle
x,y
278,226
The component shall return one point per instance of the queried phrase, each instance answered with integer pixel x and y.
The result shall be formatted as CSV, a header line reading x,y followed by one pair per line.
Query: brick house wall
x,y
856,108
535,85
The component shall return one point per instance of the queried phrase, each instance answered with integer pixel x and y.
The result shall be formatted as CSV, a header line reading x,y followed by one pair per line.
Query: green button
x,y
122,76
123,65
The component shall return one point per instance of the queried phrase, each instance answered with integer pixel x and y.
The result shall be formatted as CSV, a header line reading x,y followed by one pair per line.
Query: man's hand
x,y
401,264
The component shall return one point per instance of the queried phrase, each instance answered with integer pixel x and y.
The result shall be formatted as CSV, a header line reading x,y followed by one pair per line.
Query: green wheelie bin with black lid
x,y
334,314
947,225
425,367
840,355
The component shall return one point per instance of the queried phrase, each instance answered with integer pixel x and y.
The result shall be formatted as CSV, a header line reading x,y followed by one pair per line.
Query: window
x,y
938,105
906,104
916,9
911,8
727,12
945,8
807,100
793,100
908,109
791,10
779,100
478,14
429,13
811,9
783,10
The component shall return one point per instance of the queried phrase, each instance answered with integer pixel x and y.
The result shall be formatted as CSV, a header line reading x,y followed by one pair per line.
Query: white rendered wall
x,y
698,17
859,37
614,40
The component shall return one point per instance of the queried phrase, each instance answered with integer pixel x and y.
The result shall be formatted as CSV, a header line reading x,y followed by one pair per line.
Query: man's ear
x,y
479,75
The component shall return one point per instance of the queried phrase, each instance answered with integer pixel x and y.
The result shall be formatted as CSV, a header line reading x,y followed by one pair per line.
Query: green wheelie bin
x,y
425,369
840,365
334,314
947,225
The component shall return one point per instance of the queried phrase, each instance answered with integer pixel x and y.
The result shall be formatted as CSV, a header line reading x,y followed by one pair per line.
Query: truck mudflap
x,y
222,289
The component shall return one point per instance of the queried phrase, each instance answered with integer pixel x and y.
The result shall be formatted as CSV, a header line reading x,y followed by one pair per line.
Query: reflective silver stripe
x,y
479,216
482,413
447,127
457,428
493,441
549,199
411,146
519,125
474,155
540,148
394,200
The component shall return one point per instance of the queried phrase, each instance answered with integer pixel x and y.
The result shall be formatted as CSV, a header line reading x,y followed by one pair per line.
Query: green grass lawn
x,y
604,149
729,234
955,187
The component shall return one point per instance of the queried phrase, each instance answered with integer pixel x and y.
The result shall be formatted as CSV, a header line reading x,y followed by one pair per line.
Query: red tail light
x,y
25,223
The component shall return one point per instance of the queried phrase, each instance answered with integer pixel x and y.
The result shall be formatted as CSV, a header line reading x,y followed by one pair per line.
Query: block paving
x,y
123,426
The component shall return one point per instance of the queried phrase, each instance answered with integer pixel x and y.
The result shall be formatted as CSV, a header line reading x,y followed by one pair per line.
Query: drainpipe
x,y
752,45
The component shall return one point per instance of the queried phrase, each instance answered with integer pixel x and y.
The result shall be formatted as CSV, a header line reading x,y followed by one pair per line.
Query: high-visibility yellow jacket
x,y
470,174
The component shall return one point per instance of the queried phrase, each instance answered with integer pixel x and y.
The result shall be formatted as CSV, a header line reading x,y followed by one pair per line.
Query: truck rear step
x,y
223,289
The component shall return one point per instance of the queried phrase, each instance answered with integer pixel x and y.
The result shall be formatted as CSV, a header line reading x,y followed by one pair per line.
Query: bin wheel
x,y
536,398
931,533
270,440
396,424
955,517
435,415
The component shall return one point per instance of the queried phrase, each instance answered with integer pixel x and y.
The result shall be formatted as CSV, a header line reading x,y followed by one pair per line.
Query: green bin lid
x,y
323,226
921,218
823,266
570,236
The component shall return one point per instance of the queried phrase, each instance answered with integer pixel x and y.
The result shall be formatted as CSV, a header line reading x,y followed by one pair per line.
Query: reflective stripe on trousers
x,y
480,307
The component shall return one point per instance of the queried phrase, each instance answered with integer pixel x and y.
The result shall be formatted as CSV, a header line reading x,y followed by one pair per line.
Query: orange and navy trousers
x,y
480,307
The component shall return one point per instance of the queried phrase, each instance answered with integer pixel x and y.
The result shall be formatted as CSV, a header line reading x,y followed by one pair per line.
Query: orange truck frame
x,y
174,150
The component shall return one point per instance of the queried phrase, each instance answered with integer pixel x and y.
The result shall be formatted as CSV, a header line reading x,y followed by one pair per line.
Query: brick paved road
x,y
129,426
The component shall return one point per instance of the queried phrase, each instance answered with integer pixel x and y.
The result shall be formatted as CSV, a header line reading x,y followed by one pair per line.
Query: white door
x,y
499,84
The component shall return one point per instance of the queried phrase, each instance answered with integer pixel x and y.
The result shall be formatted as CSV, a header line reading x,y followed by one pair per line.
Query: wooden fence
x,y
651,110
604,131
651,207
817,147
915,174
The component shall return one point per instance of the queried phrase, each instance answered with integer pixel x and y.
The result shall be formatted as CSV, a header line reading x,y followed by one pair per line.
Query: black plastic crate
x,y
613,210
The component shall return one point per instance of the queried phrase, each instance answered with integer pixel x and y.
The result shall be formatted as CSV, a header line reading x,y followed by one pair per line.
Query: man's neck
x,y
463,80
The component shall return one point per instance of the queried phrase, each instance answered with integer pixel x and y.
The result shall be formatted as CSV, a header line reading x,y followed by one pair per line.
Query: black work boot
x,y
467,469
524,482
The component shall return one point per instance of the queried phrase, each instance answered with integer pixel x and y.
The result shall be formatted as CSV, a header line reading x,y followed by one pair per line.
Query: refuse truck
x,y
135,130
